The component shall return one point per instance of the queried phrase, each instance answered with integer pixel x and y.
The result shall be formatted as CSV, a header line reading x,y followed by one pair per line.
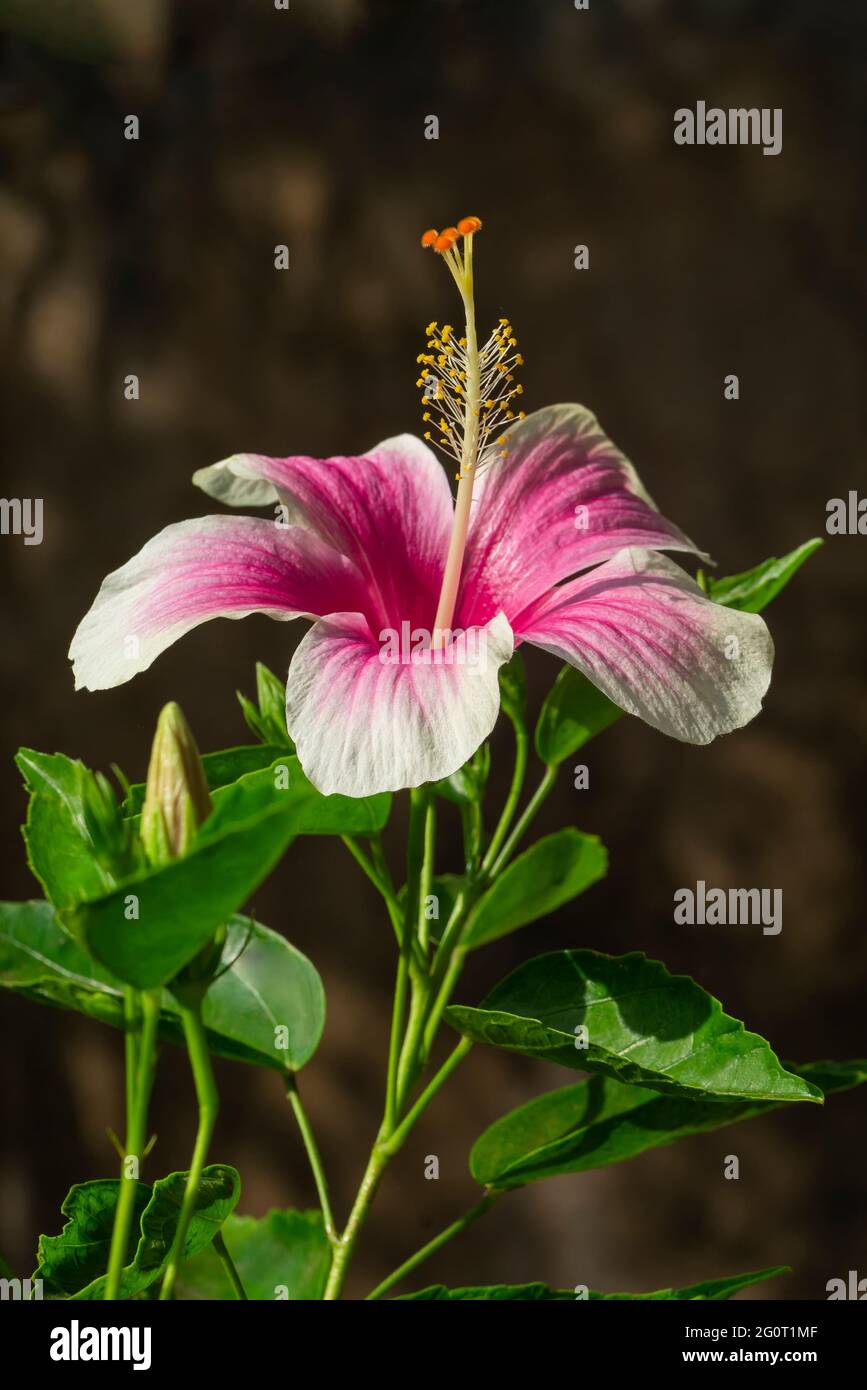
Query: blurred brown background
x,y
305,127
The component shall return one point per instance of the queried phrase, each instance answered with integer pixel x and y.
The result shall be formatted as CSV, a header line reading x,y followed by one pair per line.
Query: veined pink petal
x,y
646,635
564,498
216,567
365,720
389,511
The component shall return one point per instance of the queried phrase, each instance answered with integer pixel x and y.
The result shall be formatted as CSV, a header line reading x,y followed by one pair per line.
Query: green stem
x,y
436,1244
398,1013
450,935
409,1057
539,795
229,1266
400,1059
132,1025
379,881
136,1137
410,1061
427,873
344,1250
382,1151
208,1101
313,1157
522,745
400,1135
449,980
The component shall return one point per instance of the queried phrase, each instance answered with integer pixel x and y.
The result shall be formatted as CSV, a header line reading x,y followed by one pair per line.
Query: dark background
x,y
261,127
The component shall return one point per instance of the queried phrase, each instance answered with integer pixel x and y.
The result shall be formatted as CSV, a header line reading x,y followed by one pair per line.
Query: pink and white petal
x,y
215,567
564,498
365,721
389,511
643,632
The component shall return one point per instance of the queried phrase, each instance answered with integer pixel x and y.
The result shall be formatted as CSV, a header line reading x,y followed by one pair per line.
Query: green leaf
x,y
221,769
154,922
271,694
753,590
146,930
513,690
643,1026
40,960
599,1122
284,1255
268,984
73,1264
59,833
283,790
267,719
468,783
573,712
715,1290
548,874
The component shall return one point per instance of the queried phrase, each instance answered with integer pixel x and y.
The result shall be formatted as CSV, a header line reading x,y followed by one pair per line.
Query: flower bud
x,y
176,795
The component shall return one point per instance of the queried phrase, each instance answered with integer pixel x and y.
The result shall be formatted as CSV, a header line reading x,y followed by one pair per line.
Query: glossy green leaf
x,y
635,1021
310,813
284,1255
221,769
572,714
41,961
712,1290
267,1007
599,1122
60,846
153,923
146,930
753,590
548,874
72,1265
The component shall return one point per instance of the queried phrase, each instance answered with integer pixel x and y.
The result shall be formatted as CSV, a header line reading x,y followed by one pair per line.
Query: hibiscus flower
x,y
551,540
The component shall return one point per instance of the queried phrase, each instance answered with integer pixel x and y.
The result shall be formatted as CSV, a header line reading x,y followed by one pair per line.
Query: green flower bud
x,y
176,795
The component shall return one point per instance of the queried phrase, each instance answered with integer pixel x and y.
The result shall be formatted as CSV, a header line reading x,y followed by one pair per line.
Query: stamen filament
x,y
469,456
472,399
